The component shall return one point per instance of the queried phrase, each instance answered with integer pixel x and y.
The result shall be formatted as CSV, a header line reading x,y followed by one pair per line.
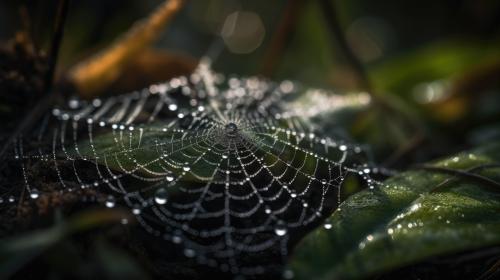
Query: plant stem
x,y
495,186
330,14
46,98
62,12
281,36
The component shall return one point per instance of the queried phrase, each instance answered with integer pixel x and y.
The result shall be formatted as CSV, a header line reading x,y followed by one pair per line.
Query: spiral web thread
x,y
211,164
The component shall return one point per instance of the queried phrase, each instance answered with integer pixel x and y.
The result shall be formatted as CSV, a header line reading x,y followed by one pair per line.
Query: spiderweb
x,y
222,167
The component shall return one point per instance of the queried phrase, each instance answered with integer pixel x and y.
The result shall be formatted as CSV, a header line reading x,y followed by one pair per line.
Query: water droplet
x,y
268,210
288,274
161,196
136,210
110,201
189,253
96,102
343,147
56,112
169,178
280,229
327,226
176,239
224,156
186,168
34,194
172,107
74,103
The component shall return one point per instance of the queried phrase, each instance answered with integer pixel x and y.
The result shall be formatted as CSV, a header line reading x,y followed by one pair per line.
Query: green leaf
x,y
406,220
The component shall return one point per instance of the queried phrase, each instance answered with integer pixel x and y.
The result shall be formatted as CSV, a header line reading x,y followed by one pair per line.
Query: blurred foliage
x,y
443,59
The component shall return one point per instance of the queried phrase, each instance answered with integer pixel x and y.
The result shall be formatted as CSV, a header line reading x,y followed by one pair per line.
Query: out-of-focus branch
x,y
282,34
99,71
330,14
62,12
47,98
388,107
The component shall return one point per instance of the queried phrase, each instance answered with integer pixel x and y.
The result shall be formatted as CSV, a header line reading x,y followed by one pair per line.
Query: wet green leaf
x,y
407,220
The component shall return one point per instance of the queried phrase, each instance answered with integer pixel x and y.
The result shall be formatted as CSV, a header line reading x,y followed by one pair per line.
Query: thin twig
x,y
46,99
282,34
330,14
62,12
464,174
27,25
404,150
492,272
443,184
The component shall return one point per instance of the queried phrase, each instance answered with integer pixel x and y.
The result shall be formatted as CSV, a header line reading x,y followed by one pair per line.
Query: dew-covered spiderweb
x,y
222,167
